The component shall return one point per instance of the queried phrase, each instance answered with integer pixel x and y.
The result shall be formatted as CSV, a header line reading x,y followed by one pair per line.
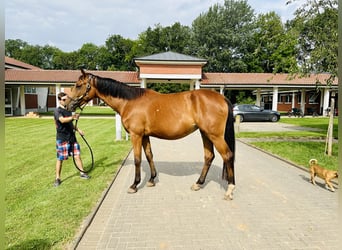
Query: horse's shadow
x,y
182,169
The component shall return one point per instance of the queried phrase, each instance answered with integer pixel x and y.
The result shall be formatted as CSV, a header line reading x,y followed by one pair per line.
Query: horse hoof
x,y
195,187
132,190
228,197
150,184
229,193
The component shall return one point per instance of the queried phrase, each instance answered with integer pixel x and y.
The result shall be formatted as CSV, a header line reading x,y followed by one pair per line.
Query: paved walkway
x,y
274,207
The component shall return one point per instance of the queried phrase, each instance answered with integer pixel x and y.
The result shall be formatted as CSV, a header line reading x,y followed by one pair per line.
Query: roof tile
x,y
170,56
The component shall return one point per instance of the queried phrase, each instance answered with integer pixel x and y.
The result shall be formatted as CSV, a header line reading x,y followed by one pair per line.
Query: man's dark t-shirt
x,y
65,131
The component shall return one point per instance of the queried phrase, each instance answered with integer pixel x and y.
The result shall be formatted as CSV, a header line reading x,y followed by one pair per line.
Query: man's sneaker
x,y
57,182
84,176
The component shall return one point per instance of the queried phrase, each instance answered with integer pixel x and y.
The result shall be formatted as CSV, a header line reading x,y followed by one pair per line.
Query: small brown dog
x,y
325,174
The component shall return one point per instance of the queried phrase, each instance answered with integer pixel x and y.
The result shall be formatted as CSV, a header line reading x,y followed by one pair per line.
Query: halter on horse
x,y
146,113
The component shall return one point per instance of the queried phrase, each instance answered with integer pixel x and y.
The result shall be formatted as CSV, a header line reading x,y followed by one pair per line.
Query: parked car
x,y
250,112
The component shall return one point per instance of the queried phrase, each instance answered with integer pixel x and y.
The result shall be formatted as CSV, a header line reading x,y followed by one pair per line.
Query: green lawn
x,y
317,123
321,124
38,215
303,146
301,152
90,110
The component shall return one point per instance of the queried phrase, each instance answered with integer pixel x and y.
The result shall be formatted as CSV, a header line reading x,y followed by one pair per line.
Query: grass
x,y
319,124
91,111
316,123
301,152
38,215
299,146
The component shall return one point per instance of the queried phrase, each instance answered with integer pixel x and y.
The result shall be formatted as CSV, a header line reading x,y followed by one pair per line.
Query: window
x,y
30,90
286,98
313,97
299,98
52,90
8,97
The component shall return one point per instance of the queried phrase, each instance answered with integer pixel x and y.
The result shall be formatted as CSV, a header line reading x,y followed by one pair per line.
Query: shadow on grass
x,y
40,244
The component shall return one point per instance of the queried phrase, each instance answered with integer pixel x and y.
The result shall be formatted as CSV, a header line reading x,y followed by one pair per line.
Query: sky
x,y
68,24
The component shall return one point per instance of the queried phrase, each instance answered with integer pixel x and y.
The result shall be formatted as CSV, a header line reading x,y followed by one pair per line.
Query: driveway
x,y
274,207
269,127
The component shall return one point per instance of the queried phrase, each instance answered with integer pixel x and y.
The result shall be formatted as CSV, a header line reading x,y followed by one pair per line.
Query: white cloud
x,y
68,24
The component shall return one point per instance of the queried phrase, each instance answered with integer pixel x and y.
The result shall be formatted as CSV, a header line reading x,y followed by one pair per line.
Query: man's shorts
x,y
64,150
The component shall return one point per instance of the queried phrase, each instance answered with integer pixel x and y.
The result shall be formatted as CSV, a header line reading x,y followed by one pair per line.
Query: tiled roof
x,y
65,76
170,56
132,77
20,72
13,63
264,79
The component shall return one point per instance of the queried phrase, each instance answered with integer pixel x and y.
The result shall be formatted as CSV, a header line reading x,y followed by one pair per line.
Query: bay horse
x,y
146,113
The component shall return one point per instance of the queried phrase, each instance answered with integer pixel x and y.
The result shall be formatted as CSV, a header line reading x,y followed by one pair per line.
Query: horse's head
x,y
82,92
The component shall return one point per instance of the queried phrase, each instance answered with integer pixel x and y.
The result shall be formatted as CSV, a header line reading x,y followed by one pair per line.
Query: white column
x,y
275,99
118,127
143,83
58,90
197,84
192,84
258,97
22,100
222,90
42,95
302,101
293,103
326,101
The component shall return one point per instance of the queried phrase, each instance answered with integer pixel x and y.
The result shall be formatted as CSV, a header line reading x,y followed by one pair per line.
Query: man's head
x,y
62,96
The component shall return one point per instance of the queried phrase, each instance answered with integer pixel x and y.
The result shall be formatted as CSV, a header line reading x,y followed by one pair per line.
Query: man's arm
x,y
68,118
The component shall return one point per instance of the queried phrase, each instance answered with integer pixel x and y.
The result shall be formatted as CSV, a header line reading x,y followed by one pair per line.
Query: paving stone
x,y
274,207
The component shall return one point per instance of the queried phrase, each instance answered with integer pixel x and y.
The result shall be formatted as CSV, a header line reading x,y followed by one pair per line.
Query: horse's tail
x,y
229,137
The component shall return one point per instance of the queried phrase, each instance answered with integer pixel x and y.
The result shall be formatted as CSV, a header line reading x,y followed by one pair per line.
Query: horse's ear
x,y
83,72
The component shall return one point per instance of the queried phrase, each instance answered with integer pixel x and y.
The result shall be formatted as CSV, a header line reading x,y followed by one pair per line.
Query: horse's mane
x,y
110,87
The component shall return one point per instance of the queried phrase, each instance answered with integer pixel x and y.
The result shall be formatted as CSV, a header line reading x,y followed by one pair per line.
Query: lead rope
x,y
90,150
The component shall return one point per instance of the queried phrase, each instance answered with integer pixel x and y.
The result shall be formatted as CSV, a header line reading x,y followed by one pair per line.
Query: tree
x,y
119,53
40,56
317,26
223,35
87,56
13,48
66,60
316,22
168,88
160,39
275,50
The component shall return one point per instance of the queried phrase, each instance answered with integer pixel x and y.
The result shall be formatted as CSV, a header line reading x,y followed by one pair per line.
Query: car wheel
x,y
274,118
241,118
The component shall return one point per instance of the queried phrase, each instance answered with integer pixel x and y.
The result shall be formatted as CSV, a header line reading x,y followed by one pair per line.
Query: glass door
x,y
8,102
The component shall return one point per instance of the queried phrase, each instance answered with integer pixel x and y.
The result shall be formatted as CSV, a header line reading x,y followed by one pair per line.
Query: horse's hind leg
x,y
228,166
208,159
149,156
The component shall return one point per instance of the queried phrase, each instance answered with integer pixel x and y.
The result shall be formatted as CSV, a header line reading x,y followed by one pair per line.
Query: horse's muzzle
x,y
72,105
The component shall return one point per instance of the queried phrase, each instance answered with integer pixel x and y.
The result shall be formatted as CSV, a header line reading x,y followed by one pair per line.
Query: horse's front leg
x,y
137,143
149,156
